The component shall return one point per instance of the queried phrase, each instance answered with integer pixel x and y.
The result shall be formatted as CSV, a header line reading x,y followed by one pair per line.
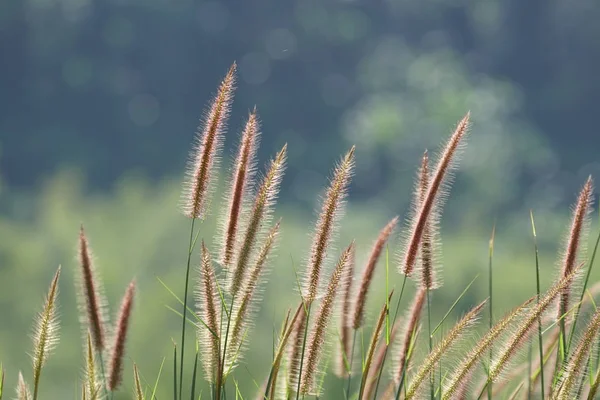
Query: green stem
x,y
303,349
221,371
388,345
185,298
350,365
101,360
431,383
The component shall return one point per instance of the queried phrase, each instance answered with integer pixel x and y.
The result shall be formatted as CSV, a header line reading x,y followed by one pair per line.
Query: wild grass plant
x,y
405,354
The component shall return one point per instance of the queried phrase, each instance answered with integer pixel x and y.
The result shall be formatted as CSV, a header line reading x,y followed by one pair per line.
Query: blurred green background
x,y
99,100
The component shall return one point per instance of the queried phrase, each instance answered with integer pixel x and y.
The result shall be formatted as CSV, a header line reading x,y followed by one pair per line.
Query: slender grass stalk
x,y
303,349
174,371
272,380
194,376
349,377
393,326
413,320
430,339
491,296
372,345
538,291
45,337
185,299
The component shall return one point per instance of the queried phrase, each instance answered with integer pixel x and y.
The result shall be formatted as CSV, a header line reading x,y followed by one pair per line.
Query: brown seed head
x,y
206,150
432,196
330,213
359,310
115,376
319,332
240,181
91,297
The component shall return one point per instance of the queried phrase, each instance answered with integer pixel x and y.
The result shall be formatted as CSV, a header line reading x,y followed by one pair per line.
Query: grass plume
x,y
45,337
91,298
205,154
115,376
317,339
431,201
259,216
344,364
207,301
243,171
326,224
457,331
367,277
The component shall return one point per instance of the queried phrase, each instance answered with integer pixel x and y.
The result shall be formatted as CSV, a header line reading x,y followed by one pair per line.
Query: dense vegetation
x,y
423,356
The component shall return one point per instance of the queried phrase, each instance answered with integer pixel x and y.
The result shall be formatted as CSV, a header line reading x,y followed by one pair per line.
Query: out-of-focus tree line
x,y
116,85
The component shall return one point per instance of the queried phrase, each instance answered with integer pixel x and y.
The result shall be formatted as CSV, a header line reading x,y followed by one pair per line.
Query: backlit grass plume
x,y
525,328
91,298
205,155
407,336
327,223
369,271
576,363
207,305
45,336
344,364
319,332
243,313
260,215
23,392
460,378
241,179
92,387
372,346
115,375
458,331
576,241
430,207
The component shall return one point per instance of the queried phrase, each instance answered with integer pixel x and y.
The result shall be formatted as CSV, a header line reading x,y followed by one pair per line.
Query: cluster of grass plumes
x,y
406,357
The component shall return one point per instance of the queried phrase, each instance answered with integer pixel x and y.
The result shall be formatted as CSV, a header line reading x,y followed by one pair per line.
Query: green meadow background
x,y
99,101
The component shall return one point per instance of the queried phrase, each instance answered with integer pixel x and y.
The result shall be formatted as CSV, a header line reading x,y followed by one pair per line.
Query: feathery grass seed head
x,y
205,155
361,299
345,320
91,299
243,172
259,217
433,199
115,376
317,338
326,224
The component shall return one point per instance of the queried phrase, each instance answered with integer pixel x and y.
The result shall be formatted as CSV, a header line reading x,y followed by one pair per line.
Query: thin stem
x,y
350,365
388,345
537,281
303,349
101,360
431,383
490,287
221,369
185,298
